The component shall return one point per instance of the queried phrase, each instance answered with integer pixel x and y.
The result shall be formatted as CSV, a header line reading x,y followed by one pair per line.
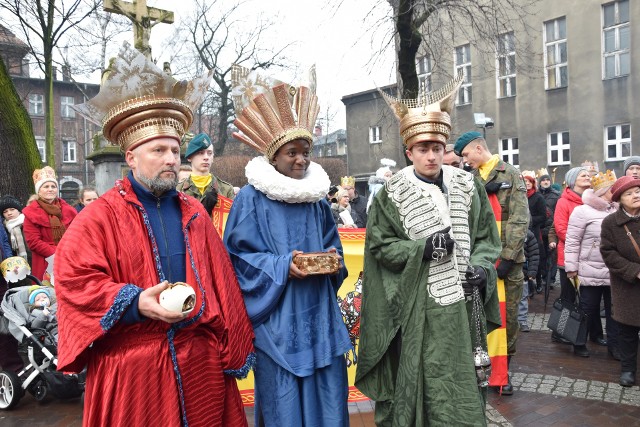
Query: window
x,y
558,148
36,104
69,151
424,72
509,151
615,39
506,64
374,135
617,141
555,53
65,107
42,148
463,64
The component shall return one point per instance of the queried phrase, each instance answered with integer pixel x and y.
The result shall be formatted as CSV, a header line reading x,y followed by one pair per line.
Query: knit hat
x,y
199,142
387,164
464,140
34,291
40,176
8,201
623,184
633,160
602,181
572,174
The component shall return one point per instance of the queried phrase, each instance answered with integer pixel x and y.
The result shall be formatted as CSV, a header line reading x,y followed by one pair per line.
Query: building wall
x,y
583,108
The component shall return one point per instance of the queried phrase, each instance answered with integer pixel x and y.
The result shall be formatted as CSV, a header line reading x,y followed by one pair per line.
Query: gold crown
x,y
425,118
603,180
270,113
138,101
541,172
347,180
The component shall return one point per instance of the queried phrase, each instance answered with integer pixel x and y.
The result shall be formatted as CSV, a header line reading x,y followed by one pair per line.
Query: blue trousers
x,y
284,399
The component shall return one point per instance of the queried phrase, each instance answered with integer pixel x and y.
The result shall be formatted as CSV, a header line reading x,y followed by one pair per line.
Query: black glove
x,y
210,200
504,267
438,245
493,187
476,277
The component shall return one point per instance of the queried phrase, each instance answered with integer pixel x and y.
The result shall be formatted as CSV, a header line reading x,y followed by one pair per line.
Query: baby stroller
x,y
38,349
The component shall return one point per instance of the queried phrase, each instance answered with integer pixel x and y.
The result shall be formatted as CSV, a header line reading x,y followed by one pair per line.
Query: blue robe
x,y
297,323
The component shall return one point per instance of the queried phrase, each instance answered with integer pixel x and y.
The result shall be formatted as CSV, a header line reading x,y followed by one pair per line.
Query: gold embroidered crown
x,y
426,118
347,180
270,113
542,172
603,180
138,101
532,174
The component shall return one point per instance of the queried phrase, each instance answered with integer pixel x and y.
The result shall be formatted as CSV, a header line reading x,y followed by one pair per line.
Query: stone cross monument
x,y
143,17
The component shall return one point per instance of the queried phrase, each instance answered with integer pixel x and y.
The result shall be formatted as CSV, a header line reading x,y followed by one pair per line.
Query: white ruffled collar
x,y
276,186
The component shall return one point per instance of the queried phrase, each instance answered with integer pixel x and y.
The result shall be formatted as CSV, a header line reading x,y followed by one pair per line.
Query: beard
x,y
157,184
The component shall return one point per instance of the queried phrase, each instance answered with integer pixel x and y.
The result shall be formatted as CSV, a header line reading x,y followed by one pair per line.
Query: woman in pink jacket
x,y
577,180
582,258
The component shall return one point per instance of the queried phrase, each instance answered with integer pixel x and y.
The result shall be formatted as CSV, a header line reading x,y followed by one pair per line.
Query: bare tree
x,y
18,152
43,25
219,38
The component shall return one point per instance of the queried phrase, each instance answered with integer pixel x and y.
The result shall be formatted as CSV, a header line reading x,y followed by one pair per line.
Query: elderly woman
x,y
619,241
582,258
301,374
45,220
578,180
342,205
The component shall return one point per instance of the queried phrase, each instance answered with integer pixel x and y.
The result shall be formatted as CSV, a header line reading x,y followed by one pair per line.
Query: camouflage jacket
x,y
224,188
515,209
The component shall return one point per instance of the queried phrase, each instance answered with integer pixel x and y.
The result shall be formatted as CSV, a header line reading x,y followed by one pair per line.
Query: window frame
x,y
69,149
616,27
424,77
509,57
618,142
372,133
560,147
557,66
66,110
510,152
43,153
465,93
35,100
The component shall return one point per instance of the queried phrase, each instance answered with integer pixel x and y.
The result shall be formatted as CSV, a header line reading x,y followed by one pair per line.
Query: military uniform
x,y
224,188
512,197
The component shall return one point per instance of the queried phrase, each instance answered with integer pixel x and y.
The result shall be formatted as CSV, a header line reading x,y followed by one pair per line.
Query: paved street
x,y
552,388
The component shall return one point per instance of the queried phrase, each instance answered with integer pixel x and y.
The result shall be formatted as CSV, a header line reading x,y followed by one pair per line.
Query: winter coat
x,y
565,206
359,205
623,262
37,231
375,184
336,209
582,245
538,211
551,197
532,256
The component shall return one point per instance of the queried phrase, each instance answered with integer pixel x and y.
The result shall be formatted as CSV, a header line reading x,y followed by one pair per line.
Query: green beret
x,y
199,142
465,139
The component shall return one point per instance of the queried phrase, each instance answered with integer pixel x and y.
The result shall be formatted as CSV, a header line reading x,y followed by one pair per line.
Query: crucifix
x,y
143,18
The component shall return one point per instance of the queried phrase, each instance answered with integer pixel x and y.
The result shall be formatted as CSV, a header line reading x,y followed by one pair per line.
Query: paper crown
x,y
542,172
14,268
270,113
591,166
532,174
347,180
40,176
138,101
425,118
603,180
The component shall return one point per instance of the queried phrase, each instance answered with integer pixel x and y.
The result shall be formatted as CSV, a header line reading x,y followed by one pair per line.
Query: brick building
x,y
73,133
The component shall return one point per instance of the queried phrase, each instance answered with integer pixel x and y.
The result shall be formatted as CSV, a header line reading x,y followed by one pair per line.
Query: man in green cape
x,y
431,243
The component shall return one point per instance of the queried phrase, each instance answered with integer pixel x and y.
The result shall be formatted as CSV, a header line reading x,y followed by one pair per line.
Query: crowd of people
x,y
440,235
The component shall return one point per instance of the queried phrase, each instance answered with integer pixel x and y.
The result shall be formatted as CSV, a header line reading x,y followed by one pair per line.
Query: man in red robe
x,y
147,365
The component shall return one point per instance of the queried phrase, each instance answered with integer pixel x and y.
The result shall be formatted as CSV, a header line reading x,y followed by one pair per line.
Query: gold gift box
x,y
318,262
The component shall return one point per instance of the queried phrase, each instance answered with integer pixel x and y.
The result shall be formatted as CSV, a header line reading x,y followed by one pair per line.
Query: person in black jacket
x,y
548,261
530,269
538,211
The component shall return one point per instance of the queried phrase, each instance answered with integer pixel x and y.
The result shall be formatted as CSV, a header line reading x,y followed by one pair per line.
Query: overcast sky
x,y
333,34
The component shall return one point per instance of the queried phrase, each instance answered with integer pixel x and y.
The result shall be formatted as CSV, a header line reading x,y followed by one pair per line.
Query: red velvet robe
x,y
130,373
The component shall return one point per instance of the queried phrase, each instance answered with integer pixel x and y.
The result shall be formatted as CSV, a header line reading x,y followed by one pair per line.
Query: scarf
x,y
201,182
530,192
54,210
14,227
486,169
